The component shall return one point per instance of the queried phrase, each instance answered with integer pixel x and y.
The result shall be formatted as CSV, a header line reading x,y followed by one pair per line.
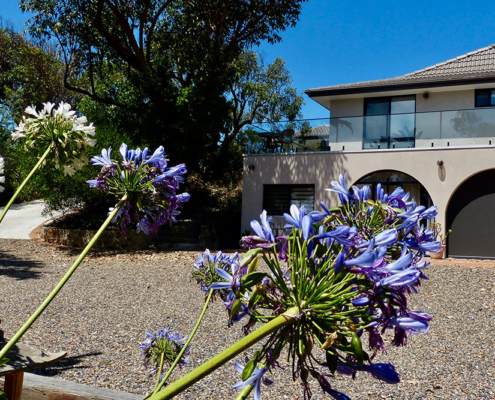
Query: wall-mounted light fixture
x,y
251,167
439,163
426,95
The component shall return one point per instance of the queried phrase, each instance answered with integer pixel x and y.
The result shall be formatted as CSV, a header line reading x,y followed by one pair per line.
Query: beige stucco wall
x,y
321,168
347,108
436,101
445,101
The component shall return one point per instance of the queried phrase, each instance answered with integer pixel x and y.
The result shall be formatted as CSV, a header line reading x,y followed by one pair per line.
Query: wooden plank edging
x,y
38,387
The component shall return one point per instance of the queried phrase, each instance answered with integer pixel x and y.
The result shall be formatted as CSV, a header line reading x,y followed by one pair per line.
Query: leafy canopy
x,y
165,61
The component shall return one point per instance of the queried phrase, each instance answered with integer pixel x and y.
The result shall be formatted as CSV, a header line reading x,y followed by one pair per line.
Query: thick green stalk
x,y
220,359
40,161
62,282
157,388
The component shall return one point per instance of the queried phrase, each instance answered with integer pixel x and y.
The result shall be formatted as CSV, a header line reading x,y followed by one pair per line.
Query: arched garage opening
x,y
471,216
391,180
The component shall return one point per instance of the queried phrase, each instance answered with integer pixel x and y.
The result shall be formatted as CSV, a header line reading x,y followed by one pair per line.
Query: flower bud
x,y
248,369
254,265
357,348
235,307
248,257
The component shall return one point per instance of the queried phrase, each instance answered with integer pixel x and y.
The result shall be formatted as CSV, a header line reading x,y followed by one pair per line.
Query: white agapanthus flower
x,y
2,178
60,128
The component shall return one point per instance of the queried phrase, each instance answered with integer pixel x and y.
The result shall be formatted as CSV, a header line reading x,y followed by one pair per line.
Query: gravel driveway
x,y
101,316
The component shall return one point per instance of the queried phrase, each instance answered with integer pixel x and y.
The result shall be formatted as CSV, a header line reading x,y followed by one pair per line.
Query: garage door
x,y
471,216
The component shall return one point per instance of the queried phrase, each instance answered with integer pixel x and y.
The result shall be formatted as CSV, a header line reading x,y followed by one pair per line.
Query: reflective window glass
x,y
403,105
378,106
484,98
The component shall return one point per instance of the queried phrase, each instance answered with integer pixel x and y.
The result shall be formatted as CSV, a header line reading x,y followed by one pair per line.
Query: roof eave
x,y
402,86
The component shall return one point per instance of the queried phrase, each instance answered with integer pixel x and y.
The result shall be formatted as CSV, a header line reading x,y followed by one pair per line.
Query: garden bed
x,y
66,231
102,314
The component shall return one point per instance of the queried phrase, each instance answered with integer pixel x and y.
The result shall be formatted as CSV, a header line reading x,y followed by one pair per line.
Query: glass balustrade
x,y
459,128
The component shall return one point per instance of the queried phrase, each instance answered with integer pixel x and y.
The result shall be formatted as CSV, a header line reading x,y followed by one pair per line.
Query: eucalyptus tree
x,y
261,94
172,58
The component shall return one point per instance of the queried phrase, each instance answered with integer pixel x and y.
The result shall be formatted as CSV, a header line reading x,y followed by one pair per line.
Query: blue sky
x,y
351,41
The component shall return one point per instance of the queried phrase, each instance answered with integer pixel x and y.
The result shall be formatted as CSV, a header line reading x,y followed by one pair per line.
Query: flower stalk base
x,y
62,282
40,161
220,359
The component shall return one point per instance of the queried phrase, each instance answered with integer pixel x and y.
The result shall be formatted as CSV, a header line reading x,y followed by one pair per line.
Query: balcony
x,y
460,128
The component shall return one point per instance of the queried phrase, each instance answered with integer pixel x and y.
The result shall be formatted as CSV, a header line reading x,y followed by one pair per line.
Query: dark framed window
x,y
484,98
277,199
389,122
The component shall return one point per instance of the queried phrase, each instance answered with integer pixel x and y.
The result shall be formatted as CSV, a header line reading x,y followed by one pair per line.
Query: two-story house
x,y
431,132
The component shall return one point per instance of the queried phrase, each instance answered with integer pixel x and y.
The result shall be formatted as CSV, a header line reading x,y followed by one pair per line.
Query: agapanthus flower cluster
x,y
347,271
2,178
147,183
163,348
59,128
210,269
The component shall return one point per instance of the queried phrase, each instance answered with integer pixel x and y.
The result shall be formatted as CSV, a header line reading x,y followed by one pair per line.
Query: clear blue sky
x,y
339,42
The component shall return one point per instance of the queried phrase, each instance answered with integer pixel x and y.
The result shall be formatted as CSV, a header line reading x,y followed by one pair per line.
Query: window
x,y
277,199
389,122
484,98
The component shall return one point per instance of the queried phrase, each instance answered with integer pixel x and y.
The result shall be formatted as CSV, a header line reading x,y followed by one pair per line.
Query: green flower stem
x,y
159,371
243,395
158,387
40,161
62,282
211,365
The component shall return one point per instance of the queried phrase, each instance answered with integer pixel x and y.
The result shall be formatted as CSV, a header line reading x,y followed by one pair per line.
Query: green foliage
x,y
166,64
219,203
263,95
29,75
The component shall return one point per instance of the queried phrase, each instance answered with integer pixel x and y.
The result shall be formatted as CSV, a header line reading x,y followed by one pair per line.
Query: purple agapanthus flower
x,y
361,194
384,238
255,379
104,160
413,322
423,240
381,371
342,234
167,343
340,188
264,237
150,202
295,218
210,268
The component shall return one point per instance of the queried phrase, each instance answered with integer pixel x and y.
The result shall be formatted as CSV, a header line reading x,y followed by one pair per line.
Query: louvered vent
x,y
277,199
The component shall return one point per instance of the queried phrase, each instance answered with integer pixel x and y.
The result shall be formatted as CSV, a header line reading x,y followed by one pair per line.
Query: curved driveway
x,y
22,219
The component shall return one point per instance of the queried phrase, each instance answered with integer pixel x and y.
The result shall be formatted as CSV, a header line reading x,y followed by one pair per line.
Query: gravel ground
x,y
100,318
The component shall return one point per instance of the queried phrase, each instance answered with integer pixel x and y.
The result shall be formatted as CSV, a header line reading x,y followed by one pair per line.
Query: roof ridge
x,y
471,53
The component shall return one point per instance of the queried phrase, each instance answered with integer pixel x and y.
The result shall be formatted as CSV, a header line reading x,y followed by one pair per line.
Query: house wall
x,y
434,121
321,168
445,101
436,101
347,108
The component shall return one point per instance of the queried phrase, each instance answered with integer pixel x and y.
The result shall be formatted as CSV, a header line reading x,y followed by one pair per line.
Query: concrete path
x,y
22,219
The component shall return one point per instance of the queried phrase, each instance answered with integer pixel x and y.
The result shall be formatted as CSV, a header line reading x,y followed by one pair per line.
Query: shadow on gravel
x,y
18,268
65,364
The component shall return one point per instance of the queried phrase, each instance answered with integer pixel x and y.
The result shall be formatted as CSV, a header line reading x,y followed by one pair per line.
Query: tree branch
x,y
114,41
151,32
